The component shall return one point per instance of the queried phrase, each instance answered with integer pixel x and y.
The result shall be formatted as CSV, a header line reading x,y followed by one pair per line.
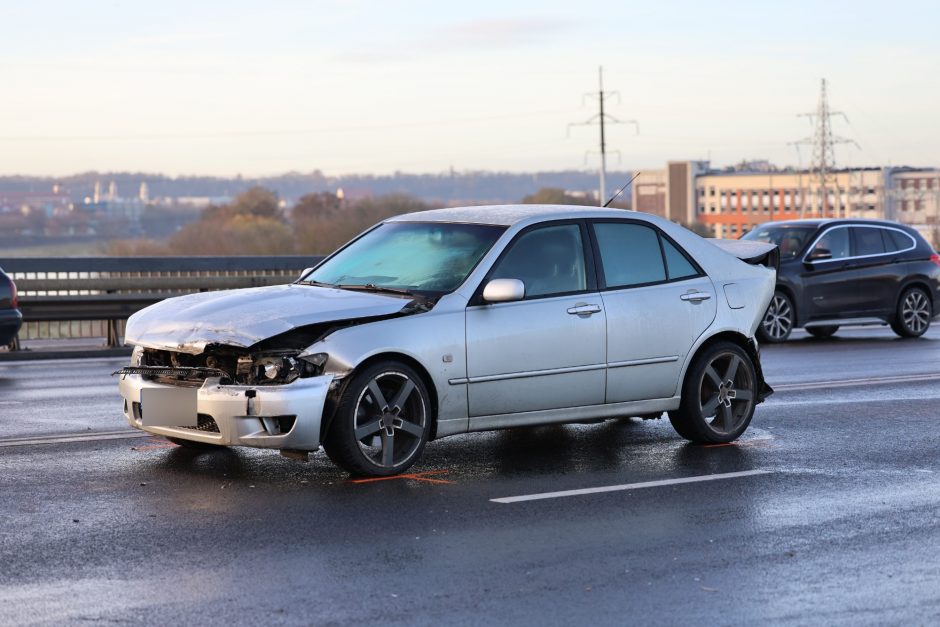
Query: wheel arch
x,y
408,360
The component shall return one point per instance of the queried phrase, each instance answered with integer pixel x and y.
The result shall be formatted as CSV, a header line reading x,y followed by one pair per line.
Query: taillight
x,y
935,258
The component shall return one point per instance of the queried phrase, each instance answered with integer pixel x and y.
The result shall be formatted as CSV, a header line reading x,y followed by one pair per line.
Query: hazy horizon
x,y
350,87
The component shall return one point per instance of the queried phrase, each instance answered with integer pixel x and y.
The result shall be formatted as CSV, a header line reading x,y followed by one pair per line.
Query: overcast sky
x,y
226,87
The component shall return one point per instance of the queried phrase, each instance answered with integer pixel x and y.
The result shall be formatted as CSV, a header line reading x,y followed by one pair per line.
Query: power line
x,y
601,119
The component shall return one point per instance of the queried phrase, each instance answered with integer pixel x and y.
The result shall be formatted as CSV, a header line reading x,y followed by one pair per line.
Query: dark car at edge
x,y
10,317
840,272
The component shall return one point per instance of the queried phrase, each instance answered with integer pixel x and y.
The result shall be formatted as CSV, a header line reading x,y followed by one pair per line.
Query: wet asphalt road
x,y
842,526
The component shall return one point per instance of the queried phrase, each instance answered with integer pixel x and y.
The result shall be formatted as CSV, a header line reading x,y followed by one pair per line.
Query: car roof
x,y
818,222
508,215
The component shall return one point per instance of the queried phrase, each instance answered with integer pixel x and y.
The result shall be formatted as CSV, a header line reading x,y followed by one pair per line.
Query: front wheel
x,y
718,395
778,320
914,311
382,421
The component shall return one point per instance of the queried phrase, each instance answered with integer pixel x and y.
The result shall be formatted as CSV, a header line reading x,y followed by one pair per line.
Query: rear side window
x,y
867,241
630,254
677,266
896,240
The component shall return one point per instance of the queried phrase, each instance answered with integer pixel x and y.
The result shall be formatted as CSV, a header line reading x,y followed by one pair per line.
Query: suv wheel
x,y
778,321
912,318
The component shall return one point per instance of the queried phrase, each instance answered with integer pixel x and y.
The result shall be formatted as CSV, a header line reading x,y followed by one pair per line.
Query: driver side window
x,y
548,260
834,242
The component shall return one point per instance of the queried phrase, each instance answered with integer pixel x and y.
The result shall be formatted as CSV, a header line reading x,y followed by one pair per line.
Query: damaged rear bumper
x,y
276,417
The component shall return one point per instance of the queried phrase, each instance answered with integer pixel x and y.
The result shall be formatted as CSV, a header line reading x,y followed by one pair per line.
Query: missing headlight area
x,y
228,364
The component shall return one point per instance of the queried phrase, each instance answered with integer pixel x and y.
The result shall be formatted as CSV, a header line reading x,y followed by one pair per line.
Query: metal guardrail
x,y
93,296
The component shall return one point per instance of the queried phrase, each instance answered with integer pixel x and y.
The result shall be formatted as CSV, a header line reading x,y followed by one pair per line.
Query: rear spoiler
x,y
754,253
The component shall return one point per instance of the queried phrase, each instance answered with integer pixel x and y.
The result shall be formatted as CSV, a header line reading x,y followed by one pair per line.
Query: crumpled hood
x,y
247,316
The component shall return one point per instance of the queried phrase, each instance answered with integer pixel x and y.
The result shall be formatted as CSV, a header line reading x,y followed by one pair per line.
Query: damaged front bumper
x,y
285,417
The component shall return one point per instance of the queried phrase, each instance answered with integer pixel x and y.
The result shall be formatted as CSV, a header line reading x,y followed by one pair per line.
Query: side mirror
x,y
504,291
819,254
305,272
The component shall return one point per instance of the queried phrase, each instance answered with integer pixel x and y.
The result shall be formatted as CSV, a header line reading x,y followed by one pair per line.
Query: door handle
x,y
696,297
584,310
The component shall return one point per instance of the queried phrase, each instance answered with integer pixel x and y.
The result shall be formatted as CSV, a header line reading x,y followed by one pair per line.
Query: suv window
x,y
549,260
896,240
630,254
835,242
867,241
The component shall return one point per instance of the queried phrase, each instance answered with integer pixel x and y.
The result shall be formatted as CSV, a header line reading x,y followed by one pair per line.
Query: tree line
x,y
255,222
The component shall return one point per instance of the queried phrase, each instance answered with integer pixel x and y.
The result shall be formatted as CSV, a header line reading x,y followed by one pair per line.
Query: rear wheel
x,y
778,321
823,332
914,311
382,421
718,395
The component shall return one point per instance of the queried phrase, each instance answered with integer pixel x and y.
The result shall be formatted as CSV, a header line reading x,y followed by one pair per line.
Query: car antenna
x,y
620,191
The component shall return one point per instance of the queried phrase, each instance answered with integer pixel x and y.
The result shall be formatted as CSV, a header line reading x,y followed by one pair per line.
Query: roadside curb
x,y
34,355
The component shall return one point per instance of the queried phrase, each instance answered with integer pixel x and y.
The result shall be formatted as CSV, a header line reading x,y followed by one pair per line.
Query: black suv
x,y
838,272
10,317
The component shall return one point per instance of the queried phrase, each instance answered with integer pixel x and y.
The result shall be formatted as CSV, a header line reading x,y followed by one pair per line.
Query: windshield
x,y
422,257
790,239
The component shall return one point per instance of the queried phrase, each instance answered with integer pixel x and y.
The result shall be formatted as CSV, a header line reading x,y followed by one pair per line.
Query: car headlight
x,y
314,363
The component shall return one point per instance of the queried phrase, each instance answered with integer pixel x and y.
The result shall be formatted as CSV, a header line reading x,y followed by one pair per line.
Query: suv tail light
x,y
935,258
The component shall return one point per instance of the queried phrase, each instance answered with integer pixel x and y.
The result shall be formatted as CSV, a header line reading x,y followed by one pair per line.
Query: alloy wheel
x,y
915,311
726,392
390,419
778,321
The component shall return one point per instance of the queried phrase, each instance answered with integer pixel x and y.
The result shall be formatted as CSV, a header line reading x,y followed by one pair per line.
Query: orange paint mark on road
x,y
156,444
418,476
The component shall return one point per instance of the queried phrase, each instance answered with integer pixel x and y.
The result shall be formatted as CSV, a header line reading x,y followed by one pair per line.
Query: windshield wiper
x,y
315,283
372,287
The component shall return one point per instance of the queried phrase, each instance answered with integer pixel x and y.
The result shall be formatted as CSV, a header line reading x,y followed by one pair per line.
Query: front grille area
x,y
206,423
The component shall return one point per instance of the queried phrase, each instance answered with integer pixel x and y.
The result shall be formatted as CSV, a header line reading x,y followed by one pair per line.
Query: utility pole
x,y
601,119
823,143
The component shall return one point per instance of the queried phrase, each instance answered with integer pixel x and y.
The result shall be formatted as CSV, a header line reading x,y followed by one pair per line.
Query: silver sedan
x,y
454,320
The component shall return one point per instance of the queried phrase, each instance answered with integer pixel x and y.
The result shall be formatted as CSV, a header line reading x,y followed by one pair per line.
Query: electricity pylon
x,y
601,119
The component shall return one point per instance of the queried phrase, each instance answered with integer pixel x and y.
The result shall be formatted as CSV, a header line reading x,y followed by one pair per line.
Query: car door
x,y
546,351
658,303
871,270
828,291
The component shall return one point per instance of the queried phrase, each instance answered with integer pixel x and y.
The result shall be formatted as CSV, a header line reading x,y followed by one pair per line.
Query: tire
x,y
382,421
913,313
823,332
711,411
778,320
202,446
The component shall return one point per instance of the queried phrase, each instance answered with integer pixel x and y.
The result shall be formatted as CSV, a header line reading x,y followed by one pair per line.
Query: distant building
x,y
733,202
914,198
50,203
669,193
